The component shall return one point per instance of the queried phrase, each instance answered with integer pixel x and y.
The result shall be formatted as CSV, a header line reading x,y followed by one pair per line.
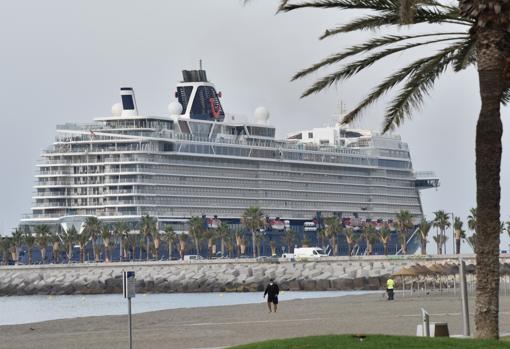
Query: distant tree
x,y
403,222
253,220
5,247
120,231
170,238
424,230
351,239
331,231
222,233
290,239
17,240
209,235
92,229
182,244
148,228
55,242
459,233
370,236
441,222
83,240
29,241
384,235
106,236
42,235
196,231
69,237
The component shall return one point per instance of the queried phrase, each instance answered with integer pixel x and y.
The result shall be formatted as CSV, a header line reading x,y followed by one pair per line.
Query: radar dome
x,y
175,108
261,115
117,109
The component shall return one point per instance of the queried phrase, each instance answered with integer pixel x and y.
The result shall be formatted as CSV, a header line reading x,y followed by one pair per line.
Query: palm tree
x,y
384,235
148,228
441,222
169,237
92,229
424,230
290,239
481,39
156,240
55,242
120,231
83,239
223,232
253,220
130,242
459,233
5,247
42,233
69,237
17,240
182,244
229,244
403,222
351,238
331,231
209,235
106,236
196,230
370,236
29,240
238,238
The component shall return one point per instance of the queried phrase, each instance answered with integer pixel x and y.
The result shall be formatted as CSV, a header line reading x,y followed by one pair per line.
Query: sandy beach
x,y
214,327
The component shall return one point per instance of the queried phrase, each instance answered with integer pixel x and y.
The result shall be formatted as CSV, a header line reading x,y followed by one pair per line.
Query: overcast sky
x,y
65,60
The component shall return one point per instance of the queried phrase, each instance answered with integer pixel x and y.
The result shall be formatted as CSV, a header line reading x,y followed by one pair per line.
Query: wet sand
x,y
230,325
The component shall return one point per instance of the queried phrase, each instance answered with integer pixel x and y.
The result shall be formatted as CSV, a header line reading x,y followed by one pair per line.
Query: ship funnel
x,y
129,107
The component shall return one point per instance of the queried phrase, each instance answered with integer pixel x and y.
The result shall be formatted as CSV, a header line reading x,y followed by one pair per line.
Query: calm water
x,y
26,309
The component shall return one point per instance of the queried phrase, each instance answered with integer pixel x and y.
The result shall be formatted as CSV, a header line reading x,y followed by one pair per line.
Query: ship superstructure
x,y
200,161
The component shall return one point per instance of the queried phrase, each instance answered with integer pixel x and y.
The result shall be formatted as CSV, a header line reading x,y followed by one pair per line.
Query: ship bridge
x,y
426,180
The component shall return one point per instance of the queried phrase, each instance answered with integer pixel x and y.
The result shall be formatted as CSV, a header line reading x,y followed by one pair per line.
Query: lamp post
x,y
453,233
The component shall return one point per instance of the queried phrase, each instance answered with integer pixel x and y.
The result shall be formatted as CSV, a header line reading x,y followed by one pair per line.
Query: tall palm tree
x,y
223,232
148,228
259,240
253,220
69,237
331,231
17,240
424,230
238,239
369,235
471,223
209,235
120,231
5,247
55,243
183,238
229,244
130,243
83,239
169,237
106,236
459,233
481,38
196,230
384,235
29,241
92,229
351,238
42,235
156,240
404,221
441,222
290,239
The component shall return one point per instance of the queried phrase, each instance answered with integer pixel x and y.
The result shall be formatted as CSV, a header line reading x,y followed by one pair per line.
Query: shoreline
x,y
237,324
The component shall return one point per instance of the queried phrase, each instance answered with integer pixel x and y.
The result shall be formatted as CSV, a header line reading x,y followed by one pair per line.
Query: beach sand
x,y
214,327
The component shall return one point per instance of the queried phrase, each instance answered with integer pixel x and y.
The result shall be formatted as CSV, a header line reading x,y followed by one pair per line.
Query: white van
x,y
301,253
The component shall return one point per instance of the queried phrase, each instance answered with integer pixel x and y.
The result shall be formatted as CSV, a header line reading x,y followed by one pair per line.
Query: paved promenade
x,y
224,326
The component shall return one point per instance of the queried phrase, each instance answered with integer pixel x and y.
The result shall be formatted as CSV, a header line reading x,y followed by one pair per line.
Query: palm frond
x,y
417,86
356,67
367,46
343,5
389,83
465,56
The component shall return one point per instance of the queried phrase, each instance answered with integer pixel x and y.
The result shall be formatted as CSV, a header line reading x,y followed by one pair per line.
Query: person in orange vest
x,y
390,285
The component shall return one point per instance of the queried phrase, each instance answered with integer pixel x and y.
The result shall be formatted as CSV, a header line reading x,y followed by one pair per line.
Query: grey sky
x,y
65,61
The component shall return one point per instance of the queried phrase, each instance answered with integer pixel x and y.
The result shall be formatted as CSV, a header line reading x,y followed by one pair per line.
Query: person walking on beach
x,y
272,291
390,285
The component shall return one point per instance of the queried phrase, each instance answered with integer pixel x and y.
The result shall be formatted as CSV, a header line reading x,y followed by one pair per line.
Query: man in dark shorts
x,y
272,292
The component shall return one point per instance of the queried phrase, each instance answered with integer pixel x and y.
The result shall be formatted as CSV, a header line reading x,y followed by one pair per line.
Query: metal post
x,y
130,325
465,306
425,329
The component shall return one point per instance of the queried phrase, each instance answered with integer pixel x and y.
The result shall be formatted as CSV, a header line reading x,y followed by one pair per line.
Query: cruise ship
x,y
201,161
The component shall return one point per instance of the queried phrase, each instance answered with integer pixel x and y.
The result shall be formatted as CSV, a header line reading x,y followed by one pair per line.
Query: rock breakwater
x,y
333,273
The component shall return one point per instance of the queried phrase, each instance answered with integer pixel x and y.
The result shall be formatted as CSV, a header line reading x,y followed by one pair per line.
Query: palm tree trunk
x,y
81,254
169,251
70,253
423,247
121,250
253,244
222,246
147,247
491,57
197,246
385,248
457,246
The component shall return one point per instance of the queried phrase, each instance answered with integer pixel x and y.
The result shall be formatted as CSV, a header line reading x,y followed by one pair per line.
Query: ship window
x,y
127,102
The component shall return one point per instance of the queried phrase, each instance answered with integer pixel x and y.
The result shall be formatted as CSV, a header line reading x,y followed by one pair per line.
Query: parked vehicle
x,y
193,257
288,256
302,253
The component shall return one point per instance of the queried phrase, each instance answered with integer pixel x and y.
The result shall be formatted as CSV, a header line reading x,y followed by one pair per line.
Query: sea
x,y
28,309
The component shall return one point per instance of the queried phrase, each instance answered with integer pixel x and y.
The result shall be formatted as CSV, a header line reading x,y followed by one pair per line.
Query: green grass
x,y
376,342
